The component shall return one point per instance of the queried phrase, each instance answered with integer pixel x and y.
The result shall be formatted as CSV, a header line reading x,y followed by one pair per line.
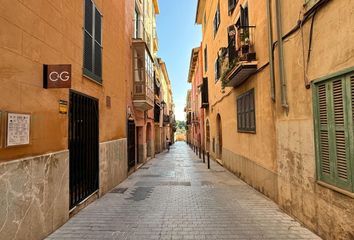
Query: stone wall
x,y
34,196
324,211
113,164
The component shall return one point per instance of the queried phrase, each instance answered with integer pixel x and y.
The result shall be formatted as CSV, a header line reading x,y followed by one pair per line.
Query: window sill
x,y
336,189
88,75
245,131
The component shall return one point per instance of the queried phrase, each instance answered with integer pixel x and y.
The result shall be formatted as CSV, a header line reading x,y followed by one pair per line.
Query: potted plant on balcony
x,y
225,73
245,40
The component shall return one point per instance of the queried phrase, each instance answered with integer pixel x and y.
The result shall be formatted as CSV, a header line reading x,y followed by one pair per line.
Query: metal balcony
x,y
238,60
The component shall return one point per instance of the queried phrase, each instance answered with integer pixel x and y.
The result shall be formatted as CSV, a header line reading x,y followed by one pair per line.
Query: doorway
x,y
131,144
83,147
218,137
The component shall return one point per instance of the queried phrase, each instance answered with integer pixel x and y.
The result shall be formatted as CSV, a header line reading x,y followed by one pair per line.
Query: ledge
x,y
336,189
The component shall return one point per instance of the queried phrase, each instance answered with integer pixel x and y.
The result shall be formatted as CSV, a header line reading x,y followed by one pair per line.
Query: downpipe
x,y
282,76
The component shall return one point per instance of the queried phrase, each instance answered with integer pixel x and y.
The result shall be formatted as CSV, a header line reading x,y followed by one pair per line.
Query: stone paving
x,y
175,196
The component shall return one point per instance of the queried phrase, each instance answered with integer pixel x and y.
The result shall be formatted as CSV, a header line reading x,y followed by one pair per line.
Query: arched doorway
x,y
218,137
149,140
207,133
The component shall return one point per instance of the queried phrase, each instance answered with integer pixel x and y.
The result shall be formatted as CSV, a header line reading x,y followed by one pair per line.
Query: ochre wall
x,y
259,147
279,160
34,33
327,212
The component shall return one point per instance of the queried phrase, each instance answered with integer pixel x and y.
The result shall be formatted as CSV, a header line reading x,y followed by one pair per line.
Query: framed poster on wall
x,y
18,129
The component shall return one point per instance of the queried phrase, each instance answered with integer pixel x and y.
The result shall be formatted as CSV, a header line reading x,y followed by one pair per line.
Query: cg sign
x,y
57,76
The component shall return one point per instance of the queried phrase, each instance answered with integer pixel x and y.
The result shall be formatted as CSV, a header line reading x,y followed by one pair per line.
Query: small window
x,y
137,24
92,42
217,19
217,69
333,112
232,6
246,118
206,59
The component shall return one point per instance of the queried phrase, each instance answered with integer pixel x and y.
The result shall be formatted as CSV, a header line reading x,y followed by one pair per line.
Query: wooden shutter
x,y
206,59
88,36
333,135
341,145
325,166
98,41
232,5
231,36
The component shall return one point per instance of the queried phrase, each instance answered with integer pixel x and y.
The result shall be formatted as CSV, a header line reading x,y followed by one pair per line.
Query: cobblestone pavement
x,y
175,196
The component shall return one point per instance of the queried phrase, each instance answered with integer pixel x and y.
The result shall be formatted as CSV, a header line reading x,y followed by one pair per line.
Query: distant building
x,y
195,77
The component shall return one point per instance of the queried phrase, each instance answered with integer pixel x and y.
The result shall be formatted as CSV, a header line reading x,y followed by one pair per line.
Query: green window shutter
x,y
334,131
325,166
341,144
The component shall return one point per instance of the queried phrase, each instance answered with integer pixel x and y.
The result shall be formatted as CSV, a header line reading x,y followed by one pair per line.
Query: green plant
x,y
226,73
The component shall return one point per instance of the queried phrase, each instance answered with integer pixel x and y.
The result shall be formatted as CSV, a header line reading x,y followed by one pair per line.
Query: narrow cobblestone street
x,y
175,196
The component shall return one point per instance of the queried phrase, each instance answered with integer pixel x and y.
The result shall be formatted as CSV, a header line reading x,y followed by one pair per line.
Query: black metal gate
x,y
83,147
131,144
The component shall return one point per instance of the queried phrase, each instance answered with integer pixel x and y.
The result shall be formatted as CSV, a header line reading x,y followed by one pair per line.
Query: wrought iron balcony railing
x,y
238,60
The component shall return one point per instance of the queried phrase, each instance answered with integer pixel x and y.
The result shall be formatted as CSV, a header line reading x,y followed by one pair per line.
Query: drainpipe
x,y
284,100
270,47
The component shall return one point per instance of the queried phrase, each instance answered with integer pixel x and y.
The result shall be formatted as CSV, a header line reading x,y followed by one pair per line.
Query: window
x,y
232,6
92,42
217,69
333,112
205,21
231,37
244,17
205,59
217,20
137,24
246,119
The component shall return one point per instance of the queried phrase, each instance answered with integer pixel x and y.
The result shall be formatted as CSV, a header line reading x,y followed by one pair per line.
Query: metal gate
x,y
131,144
83,147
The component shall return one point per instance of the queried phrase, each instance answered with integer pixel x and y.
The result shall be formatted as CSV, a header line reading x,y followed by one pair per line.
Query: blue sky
x,y
178,34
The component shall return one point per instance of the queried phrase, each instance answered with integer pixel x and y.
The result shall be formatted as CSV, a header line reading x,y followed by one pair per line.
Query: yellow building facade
x,y
269,65
60,147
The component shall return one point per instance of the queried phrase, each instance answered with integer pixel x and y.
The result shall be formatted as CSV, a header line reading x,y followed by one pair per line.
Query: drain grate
x,y
119,190
141,193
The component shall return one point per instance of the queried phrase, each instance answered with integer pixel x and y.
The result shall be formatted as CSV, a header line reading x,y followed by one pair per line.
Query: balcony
x,y
166,119
142,34
238,60
143,70
156,40
157,112
189,118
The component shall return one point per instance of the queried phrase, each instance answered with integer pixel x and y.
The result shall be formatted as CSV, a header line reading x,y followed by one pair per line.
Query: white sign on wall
x,y
18,129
